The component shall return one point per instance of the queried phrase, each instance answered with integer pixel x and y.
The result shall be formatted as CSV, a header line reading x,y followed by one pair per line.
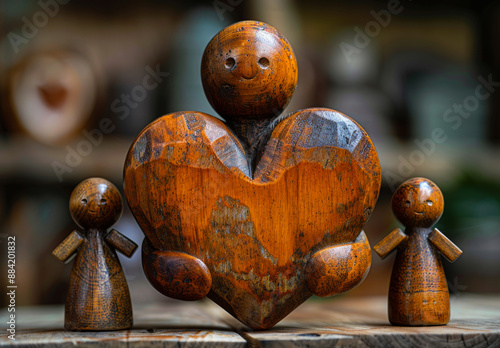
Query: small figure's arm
x,y
389,243
121,243
68,247
449,250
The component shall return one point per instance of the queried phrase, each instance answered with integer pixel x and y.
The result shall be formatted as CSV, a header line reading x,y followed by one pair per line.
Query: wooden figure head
x,y
249,70
95,203
418,202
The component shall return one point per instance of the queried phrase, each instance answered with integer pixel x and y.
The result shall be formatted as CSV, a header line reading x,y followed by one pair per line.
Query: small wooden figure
x,y
418,294
98,297
261,211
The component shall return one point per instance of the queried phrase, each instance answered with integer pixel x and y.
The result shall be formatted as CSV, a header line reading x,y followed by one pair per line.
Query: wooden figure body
x,y
418,293
98,296
262,211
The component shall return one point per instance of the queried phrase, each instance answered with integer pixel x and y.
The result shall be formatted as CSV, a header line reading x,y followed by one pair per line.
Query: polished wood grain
x,y
337,269
255,231
121,243
98,296
67,248
418,293
444,245
387,245
176,275
253,207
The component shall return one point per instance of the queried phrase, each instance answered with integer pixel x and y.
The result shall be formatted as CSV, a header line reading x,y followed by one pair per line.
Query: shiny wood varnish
x,y
98,296
263,211
418,293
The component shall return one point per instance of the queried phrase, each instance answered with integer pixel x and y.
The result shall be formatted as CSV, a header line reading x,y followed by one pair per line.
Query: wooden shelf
x,y
22,158
444,165
342,321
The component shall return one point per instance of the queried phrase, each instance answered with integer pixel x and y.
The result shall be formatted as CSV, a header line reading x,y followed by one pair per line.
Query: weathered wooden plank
x,y
363,322
342,322
170,324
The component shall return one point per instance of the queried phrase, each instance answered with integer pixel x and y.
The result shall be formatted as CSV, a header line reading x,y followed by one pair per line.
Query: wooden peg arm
x,y
389,243
121,243
68,246
449,250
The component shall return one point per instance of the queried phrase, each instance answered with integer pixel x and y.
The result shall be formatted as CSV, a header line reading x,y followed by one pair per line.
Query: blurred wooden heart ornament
x,y
261,212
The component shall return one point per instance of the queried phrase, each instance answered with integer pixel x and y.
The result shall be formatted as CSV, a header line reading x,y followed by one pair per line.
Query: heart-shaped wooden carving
x,y
258,226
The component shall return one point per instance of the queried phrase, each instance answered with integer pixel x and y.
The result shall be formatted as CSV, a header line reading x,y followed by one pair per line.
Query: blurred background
x,y
80,79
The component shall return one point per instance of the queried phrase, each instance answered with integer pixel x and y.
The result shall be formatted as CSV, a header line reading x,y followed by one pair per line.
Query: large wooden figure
x,y
418,293
98,296
262,211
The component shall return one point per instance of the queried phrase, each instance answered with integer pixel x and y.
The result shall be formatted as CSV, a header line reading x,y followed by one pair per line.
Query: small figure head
x,y
249,70
418,202
95,203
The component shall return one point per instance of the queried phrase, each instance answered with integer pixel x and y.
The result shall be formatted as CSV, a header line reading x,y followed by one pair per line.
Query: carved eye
x,y
103,201
408,203
264,63
84,201
429,203
230,62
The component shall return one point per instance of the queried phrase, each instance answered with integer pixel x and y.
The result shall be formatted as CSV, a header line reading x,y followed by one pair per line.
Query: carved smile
x,y
246,78
419,212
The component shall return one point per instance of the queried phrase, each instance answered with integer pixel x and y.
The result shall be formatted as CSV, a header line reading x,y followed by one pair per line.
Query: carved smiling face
x,y
249,70
418,202
95,203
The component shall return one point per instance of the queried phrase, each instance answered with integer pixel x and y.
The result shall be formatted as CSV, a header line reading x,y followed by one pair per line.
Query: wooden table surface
x,y
342,321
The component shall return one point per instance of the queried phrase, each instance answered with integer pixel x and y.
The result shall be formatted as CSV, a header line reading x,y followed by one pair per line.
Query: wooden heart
x,y
260,239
